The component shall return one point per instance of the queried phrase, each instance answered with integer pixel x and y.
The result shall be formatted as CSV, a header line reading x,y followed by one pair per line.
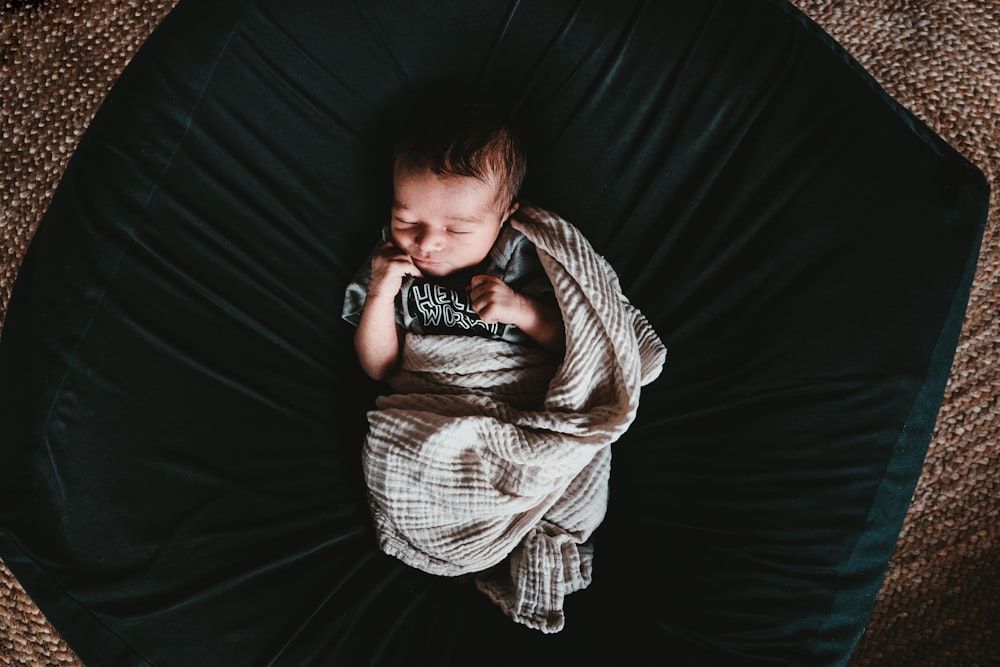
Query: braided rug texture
x,y
940,59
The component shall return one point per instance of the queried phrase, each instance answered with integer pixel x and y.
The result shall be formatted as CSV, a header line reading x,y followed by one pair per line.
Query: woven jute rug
x,y
940,601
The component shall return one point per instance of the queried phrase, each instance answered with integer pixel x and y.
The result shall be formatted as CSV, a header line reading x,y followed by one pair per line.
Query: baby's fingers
x,y
484,284
398,261
410,269
484,279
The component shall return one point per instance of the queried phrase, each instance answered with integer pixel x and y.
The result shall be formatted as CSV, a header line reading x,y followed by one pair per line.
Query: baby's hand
x,y
494,301
389,266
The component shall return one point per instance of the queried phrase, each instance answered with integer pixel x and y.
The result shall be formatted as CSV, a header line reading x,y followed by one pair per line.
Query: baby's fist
x,y
494,301
389,266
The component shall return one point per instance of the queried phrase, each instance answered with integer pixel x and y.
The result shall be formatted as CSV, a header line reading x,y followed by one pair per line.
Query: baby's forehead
x,y
405,182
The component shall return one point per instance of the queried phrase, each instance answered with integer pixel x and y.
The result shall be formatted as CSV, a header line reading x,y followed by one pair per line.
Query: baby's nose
x,y
430,240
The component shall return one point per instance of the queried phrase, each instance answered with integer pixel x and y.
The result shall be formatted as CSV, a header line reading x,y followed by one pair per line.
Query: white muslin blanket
x,y
493,459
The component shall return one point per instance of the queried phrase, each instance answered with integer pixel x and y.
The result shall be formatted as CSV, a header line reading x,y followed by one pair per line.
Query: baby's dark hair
x,y
464,139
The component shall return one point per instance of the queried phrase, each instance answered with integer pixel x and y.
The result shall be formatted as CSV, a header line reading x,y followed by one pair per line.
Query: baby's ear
x,y
510,211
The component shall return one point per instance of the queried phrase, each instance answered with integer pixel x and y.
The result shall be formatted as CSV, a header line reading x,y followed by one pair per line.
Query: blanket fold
x,y
493,458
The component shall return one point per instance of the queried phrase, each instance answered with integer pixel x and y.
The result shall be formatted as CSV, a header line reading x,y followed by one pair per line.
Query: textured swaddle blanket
x,y
493,459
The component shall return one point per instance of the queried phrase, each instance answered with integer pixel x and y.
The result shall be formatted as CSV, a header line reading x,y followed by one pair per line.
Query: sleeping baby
x,y
514,361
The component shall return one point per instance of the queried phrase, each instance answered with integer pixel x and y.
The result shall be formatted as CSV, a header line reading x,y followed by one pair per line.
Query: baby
x,y
489,457
449,261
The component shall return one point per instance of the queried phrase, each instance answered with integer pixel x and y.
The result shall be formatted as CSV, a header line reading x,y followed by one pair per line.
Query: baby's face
x,y
444,224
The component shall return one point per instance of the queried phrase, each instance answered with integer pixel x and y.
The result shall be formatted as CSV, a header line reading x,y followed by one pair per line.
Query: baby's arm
x,y
495,301
377,340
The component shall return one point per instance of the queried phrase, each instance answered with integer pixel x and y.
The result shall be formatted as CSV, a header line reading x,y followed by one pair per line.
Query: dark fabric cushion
x,y
181,405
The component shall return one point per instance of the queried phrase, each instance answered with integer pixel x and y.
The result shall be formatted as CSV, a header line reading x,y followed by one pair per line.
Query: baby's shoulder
x,y
510,246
